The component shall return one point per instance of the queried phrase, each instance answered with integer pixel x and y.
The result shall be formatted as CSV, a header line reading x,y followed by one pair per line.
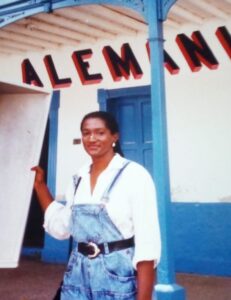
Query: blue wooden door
x,y
132,109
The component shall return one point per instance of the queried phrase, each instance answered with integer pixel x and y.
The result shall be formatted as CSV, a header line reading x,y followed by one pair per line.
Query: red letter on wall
x,y
29,74
121,66
169,63
83,66
224,38
56,82
196,51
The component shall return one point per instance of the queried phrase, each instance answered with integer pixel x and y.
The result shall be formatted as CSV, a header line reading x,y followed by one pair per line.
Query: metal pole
x,y
166,287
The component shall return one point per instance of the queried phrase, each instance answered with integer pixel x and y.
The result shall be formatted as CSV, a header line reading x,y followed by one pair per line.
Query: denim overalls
x,y
107,276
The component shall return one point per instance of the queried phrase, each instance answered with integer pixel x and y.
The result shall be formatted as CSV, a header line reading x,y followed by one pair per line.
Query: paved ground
x,y
34,280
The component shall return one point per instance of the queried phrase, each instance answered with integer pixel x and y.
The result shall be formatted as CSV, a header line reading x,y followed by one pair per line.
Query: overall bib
x,y
107,276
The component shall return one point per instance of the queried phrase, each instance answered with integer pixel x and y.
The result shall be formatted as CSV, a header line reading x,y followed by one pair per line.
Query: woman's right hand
x,y
43,193
39,176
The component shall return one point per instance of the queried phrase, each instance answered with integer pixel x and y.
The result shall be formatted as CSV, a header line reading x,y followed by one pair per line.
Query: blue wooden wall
x,y
202,238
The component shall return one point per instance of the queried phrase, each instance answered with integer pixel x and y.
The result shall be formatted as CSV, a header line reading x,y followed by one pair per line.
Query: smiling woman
x,y
100,126
111,213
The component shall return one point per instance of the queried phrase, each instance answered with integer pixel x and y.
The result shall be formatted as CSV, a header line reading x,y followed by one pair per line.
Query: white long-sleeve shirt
x,y
132,206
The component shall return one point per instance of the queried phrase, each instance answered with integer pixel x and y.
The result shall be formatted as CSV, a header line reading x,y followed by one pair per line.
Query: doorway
x,y
34,232
34,237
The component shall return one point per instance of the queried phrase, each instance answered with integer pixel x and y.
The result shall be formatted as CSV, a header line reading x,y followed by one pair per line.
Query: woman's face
x,y
97,138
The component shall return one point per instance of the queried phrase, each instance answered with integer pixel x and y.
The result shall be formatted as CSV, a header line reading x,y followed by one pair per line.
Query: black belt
x,y
92,250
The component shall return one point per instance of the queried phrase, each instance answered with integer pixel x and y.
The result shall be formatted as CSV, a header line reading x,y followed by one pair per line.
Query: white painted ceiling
x,y
75,25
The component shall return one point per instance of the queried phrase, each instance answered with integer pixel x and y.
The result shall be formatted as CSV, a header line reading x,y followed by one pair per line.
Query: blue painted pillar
x,y
54,251
166,288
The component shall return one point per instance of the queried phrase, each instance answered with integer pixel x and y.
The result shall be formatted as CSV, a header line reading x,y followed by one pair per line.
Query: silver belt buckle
x,y
96,250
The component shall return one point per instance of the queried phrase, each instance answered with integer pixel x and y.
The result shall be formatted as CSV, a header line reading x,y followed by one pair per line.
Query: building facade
x,y
197,80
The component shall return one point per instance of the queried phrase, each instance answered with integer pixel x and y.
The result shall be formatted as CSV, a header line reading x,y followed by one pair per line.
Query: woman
x,y
112,216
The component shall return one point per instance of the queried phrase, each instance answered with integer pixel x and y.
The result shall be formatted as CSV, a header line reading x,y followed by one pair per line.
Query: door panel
x,y
23,118
132,109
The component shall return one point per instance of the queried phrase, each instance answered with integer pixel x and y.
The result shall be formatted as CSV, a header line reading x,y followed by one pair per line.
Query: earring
x,y
113,145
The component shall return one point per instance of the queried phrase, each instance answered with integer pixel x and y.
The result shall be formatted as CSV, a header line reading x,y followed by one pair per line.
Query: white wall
x,y
199,123
198,106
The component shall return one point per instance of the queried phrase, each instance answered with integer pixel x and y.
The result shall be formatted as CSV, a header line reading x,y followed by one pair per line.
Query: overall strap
x,y
105,197
76,182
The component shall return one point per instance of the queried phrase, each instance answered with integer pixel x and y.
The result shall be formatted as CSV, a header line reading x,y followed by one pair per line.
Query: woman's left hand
x,y
146,276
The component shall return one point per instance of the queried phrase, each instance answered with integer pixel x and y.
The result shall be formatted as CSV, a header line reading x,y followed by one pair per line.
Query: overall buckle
x,y
96,250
